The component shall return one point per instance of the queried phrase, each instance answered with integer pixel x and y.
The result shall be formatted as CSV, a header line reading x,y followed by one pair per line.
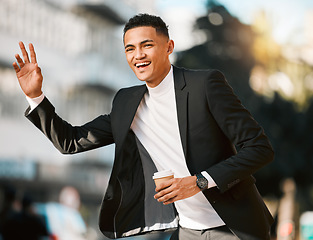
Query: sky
x,y
287,16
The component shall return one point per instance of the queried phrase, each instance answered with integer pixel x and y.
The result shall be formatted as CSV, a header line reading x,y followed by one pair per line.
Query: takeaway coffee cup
x,y
162,176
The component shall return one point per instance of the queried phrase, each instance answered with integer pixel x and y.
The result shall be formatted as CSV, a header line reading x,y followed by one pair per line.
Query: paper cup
x,y
162,176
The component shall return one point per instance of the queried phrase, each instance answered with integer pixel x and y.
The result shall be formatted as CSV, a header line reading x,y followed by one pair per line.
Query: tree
x,y
229,48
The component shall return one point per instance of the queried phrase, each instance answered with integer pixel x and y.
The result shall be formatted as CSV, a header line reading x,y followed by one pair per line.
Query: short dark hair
x,y
147,20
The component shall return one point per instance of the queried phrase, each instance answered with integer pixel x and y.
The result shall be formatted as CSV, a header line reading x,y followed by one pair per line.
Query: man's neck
x,y
156,83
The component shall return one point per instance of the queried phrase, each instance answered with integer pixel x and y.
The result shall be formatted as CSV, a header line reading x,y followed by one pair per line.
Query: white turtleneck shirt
x,y
156,126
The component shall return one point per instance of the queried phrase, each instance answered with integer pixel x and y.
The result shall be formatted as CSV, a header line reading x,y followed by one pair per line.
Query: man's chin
x,y
142,77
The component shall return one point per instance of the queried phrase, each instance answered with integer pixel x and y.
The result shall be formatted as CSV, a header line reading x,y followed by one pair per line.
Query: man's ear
x,y
170,48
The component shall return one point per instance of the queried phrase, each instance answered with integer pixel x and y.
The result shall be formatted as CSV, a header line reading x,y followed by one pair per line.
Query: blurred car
x,y
62,222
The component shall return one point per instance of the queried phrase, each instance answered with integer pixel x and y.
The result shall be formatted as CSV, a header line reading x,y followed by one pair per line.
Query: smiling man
x,y
147,53
185,120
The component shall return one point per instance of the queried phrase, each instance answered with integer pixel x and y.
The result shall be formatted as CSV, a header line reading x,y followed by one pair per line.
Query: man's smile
x,y
142,64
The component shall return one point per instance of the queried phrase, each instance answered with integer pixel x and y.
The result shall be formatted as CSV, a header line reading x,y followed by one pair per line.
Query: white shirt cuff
x,y
34,102
210,180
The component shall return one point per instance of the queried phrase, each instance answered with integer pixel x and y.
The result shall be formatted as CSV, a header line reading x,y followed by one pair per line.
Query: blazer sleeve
x,y
253,147
70,139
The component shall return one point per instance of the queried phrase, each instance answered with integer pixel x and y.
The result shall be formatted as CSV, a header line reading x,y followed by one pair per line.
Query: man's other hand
x,y
28,73
176,189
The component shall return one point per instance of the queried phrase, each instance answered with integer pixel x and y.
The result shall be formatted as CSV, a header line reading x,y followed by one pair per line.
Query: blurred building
x,y
80,51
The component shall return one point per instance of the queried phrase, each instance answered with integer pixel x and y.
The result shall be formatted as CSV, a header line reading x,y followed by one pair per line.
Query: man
x,y
184,120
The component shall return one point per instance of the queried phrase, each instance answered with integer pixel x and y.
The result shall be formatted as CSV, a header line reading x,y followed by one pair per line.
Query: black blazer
x,y
213,127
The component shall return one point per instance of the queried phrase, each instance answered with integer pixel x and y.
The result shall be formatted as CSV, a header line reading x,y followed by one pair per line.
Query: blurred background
x,y
264,48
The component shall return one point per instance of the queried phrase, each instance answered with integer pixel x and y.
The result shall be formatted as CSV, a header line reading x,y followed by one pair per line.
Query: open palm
x,y
28,73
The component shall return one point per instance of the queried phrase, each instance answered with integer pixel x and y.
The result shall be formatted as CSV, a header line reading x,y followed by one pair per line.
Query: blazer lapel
x,y
128,112
182,105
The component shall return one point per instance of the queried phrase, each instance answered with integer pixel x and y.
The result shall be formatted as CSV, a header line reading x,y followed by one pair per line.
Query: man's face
x,y
147,53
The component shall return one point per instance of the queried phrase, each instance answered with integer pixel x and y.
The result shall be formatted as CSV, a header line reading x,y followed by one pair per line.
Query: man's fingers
x,y
32,53
170,201
162,190
164,185
165,194
24,52
38,69
165,197
16,68
168,198
19,60
161,194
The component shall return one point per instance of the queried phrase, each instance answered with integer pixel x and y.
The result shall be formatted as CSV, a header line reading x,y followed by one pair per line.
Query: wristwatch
x,y
202,182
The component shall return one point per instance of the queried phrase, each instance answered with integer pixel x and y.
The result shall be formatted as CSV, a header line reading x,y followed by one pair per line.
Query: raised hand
x,y
28,73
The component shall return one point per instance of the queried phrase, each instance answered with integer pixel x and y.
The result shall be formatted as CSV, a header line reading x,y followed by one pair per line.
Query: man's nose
x,y
139,54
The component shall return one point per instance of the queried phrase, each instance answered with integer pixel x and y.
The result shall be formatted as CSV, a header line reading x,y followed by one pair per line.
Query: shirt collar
x,y
164,86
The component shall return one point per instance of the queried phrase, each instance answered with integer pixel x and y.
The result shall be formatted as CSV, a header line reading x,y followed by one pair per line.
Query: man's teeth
x,y
142,64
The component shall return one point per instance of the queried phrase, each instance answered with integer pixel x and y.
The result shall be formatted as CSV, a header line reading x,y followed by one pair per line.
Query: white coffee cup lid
x,y
164,173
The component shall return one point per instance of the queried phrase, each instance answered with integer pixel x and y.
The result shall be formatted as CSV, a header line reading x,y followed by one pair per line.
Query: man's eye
x,y
148,45
129,49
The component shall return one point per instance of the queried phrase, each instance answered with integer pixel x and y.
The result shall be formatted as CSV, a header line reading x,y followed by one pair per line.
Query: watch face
x,y
202,183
